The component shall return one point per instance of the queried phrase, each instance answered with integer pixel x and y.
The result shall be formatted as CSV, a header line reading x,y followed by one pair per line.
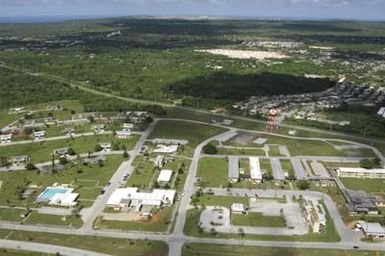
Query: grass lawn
x,y
158,223
367,185
11,214
266,166
8,252
193,132
286,165
42,151
13,185
233,250
258,220
337,165
305,147
47,219
274,150
6,119
143,174
241,151
113,246
213,171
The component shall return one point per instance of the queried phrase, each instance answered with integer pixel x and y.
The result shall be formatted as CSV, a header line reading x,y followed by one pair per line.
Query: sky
x,y
316,9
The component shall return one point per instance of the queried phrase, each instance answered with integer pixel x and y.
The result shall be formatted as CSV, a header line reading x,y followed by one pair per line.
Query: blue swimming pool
x,y
48,193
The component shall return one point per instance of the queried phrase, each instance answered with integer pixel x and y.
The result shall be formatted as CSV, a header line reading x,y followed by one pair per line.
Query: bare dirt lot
x,y
241,54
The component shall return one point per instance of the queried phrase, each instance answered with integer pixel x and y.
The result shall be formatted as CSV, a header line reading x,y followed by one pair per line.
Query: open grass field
x,y
213,171
54,220
257,220
42,151
113,246
231,250
13,185
266,166
8,252
241,151
193,132
286,165
158,223
274,150
11,214
367,185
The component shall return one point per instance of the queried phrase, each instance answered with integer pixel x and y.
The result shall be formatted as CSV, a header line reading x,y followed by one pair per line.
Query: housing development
x,y
244,160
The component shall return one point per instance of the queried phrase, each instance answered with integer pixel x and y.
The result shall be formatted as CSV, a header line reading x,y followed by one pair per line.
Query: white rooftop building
x,y
233,169
125,134
39,135
5,138
360,172
106,147
238,208
164,176
255,170
128,126
131,197
166,149
373,229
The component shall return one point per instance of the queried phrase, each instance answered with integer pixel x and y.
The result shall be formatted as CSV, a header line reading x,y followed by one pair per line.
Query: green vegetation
x,y
257,220
242,151
286,165
113,246
225,201
210,149
371,163
8,252
233,250
368,185
213,172
47,219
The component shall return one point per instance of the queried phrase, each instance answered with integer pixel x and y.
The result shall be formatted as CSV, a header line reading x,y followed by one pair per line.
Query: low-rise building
x,y
61,152
125,134
69,131
128,126
359,202
255,170
131,197
315,216
374,230
360,172
19,160
164,177
106,147
39,135
159,161
166,149
6,138
238,208
233,169
16,110
228,121
99,128
73,122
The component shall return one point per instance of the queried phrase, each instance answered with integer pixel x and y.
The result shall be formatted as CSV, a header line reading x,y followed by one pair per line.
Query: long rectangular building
x,y
255,170
360,172
233,169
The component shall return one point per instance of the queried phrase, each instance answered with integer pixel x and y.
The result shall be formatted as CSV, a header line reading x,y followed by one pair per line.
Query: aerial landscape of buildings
x,y
192,135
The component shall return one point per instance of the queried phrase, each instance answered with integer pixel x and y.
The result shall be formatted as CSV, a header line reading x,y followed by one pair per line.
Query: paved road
x,y
45,248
